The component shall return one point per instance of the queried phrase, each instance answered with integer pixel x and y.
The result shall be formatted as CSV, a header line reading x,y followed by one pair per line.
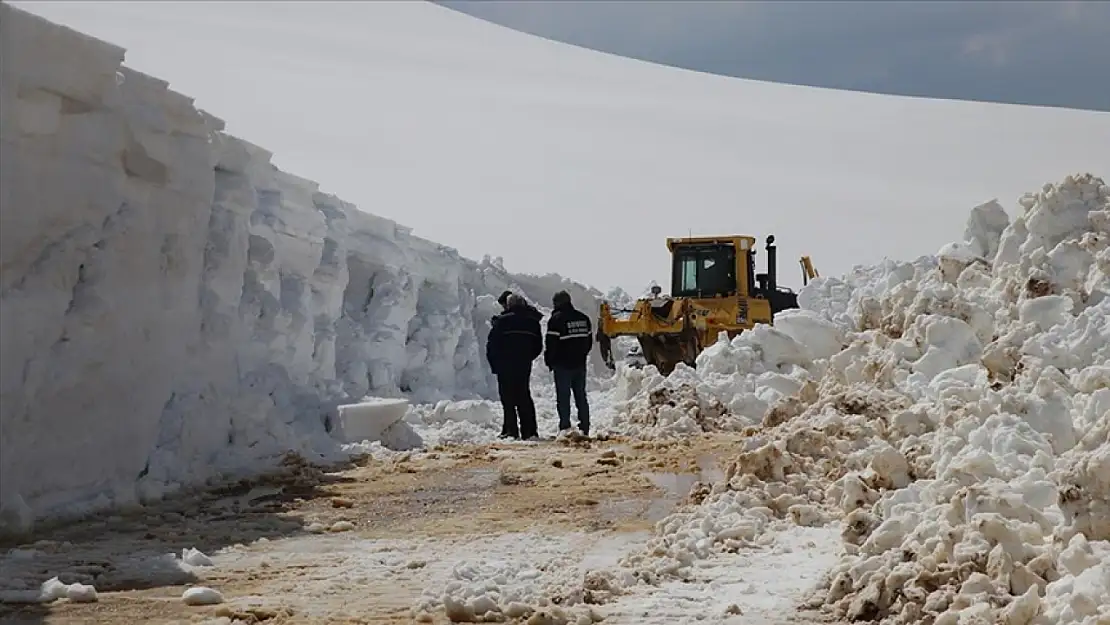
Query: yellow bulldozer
x,y
714,288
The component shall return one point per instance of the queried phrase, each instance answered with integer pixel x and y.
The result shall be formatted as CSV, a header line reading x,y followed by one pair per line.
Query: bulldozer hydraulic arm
x,y
808,270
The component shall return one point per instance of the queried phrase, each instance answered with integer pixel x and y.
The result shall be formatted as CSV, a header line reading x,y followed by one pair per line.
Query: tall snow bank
x,y
960,437
174,308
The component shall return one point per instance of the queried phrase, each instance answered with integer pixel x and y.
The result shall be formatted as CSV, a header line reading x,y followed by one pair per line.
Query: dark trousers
x,y
516,401
568,382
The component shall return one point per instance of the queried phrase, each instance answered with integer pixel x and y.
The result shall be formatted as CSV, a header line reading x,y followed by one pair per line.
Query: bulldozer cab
x,y
704,270
725,267
710,267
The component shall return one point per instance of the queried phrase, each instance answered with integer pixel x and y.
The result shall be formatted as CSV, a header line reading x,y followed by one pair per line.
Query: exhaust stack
x,y
772,263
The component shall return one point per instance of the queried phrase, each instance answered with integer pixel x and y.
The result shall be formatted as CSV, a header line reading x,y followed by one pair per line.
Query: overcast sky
x,y
1045,53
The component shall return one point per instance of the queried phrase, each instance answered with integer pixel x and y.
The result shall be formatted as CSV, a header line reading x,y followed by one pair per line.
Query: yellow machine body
x,y
714,289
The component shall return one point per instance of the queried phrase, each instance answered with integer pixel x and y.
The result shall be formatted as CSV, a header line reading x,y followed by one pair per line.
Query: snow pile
x,y
619,299
195,557
457,422
50,591
175,308
780,478
661,407
961,436
54,589
735,384
494,591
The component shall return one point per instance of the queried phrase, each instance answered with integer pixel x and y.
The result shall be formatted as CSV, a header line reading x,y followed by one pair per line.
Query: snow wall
x,y
174,308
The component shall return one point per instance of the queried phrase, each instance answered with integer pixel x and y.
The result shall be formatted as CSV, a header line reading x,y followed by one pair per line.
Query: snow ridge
x,y
175,308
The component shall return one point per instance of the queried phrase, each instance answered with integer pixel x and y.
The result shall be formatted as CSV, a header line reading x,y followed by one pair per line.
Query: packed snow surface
x,y
562,157
950,415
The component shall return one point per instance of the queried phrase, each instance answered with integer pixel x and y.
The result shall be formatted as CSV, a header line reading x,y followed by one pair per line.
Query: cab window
x,y
704,271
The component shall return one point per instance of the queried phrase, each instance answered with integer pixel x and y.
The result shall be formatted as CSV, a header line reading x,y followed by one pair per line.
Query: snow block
x,y
368,420
401,437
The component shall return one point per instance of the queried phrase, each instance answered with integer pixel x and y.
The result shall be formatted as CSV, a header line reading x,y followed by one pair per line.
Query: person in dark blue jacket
x,y
503,299
569,341
514,342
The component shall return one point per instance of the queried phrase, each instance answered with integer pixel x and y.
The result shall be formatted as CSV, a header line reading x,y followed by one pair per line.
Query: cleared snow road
x,y
418,522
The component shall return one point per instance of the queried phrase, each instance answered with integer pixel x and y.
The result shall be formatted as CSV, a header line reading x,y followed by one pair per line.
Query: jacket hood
x,y
529,310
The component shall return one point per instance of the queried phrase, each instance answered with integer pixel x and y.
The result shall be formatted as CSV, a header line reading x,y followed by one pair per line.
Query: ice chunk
x,y
201,595
194,557
53,589
368,419
820,337
81,593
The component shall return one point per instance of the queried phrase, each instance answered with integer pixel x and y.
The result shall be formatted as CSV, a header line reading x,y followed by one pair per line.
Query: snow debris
x,y
49,591
194,557
544,583
201,595
341,526
458,422
53,589
81,593
1004,428
734,385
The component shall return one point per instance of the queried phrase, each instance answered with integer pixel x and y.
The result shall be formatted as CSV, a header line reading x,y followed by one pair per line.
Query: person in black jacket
x,y
569,341
502,299
514,342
